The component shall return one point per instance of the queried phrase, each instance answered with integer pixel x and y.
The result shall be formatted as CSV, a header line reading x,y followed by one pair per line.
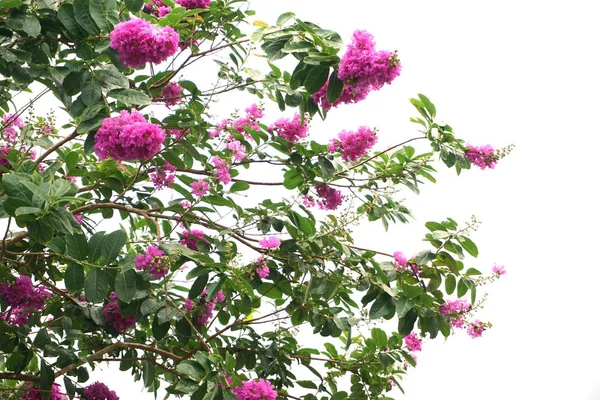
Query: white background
x,y
521,72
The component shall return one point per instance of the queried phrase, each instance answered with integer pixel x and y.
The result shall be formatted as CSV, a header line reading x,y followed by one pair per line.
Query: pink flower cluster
x,y
221,170
412,342
271,242
22,299
331,198
353,145
190,238
236,147
483,156
112,313
200,188
498,270
188,305
171,94
400,260
128,137
255,390
163,176
99,391
157,8
192,4
262,267
207,307
154,261
475,329
34,393
291,130
138,41
10,122
362,69
253,114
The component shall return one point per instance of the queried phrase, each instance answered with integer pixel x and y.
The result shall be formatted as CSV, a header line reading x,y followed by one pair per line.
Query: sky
x,y
511,72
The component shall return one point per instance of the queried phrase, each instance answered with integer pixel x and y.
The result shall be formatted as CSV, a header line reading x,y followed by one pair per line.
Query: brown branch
x,y
56,145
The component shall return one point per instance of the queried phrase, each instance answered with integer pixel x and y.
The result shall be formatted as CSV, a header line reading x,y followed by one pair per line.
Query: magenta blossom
x,y
498,270
171,94
191,238
262,267
34,392
154,261
483,156
221,170
412,342
330,199
22,300
399,260
271,242
163,176
138,42
192,4
112,313
475,329
255,390
128,137
353,145
291,130
99,391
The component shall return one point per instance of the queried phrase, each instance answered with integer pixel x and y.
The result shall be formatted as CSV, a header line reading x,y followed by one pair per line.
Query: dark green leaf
x,y
125,285
450,283
104,13
327,168
239,186
130,97
404,305
77,246
134,5
81,9
46,379
112,245
74,278
316,78
27,23
462,288
468,245
96,285
334,87
382,307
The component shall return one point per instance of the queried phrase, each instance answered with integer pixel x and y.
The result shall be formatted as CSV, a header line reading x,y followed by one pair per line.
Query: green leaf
x,y
334,88
306,384
450,283
27,23
27,210
130,97
95,246
462,288
404,305
46,379
77,246
191,369
66,15
42,339
81,9
104,13
468,245
283,18
4,4
239,186
111,78
40,231
125,285
380,338
327,168
111,246
148,371
134,5
382,307
74,278
198,285
96,285
316,78
90,125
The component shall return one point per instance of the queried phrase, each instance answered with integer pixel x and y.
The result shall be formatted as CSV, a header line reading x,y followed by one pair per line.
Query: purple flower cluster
x,y
362,69
112,313
99,391
253,114
192,4
291,130
331,198
138,41
353,145
262,267
34,393
255,390
456,310
154,261
207,307
162,177
157,8
10,122
236,147
200,188
483,156
412,342
271,242
400,260
190,238
221,170
171,94
22,299
498,270
128,137
475,329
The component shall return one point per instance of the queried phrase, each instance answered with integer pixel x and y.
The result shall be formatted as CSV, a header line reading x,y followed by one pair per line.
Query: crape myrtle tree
x,y
191,251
